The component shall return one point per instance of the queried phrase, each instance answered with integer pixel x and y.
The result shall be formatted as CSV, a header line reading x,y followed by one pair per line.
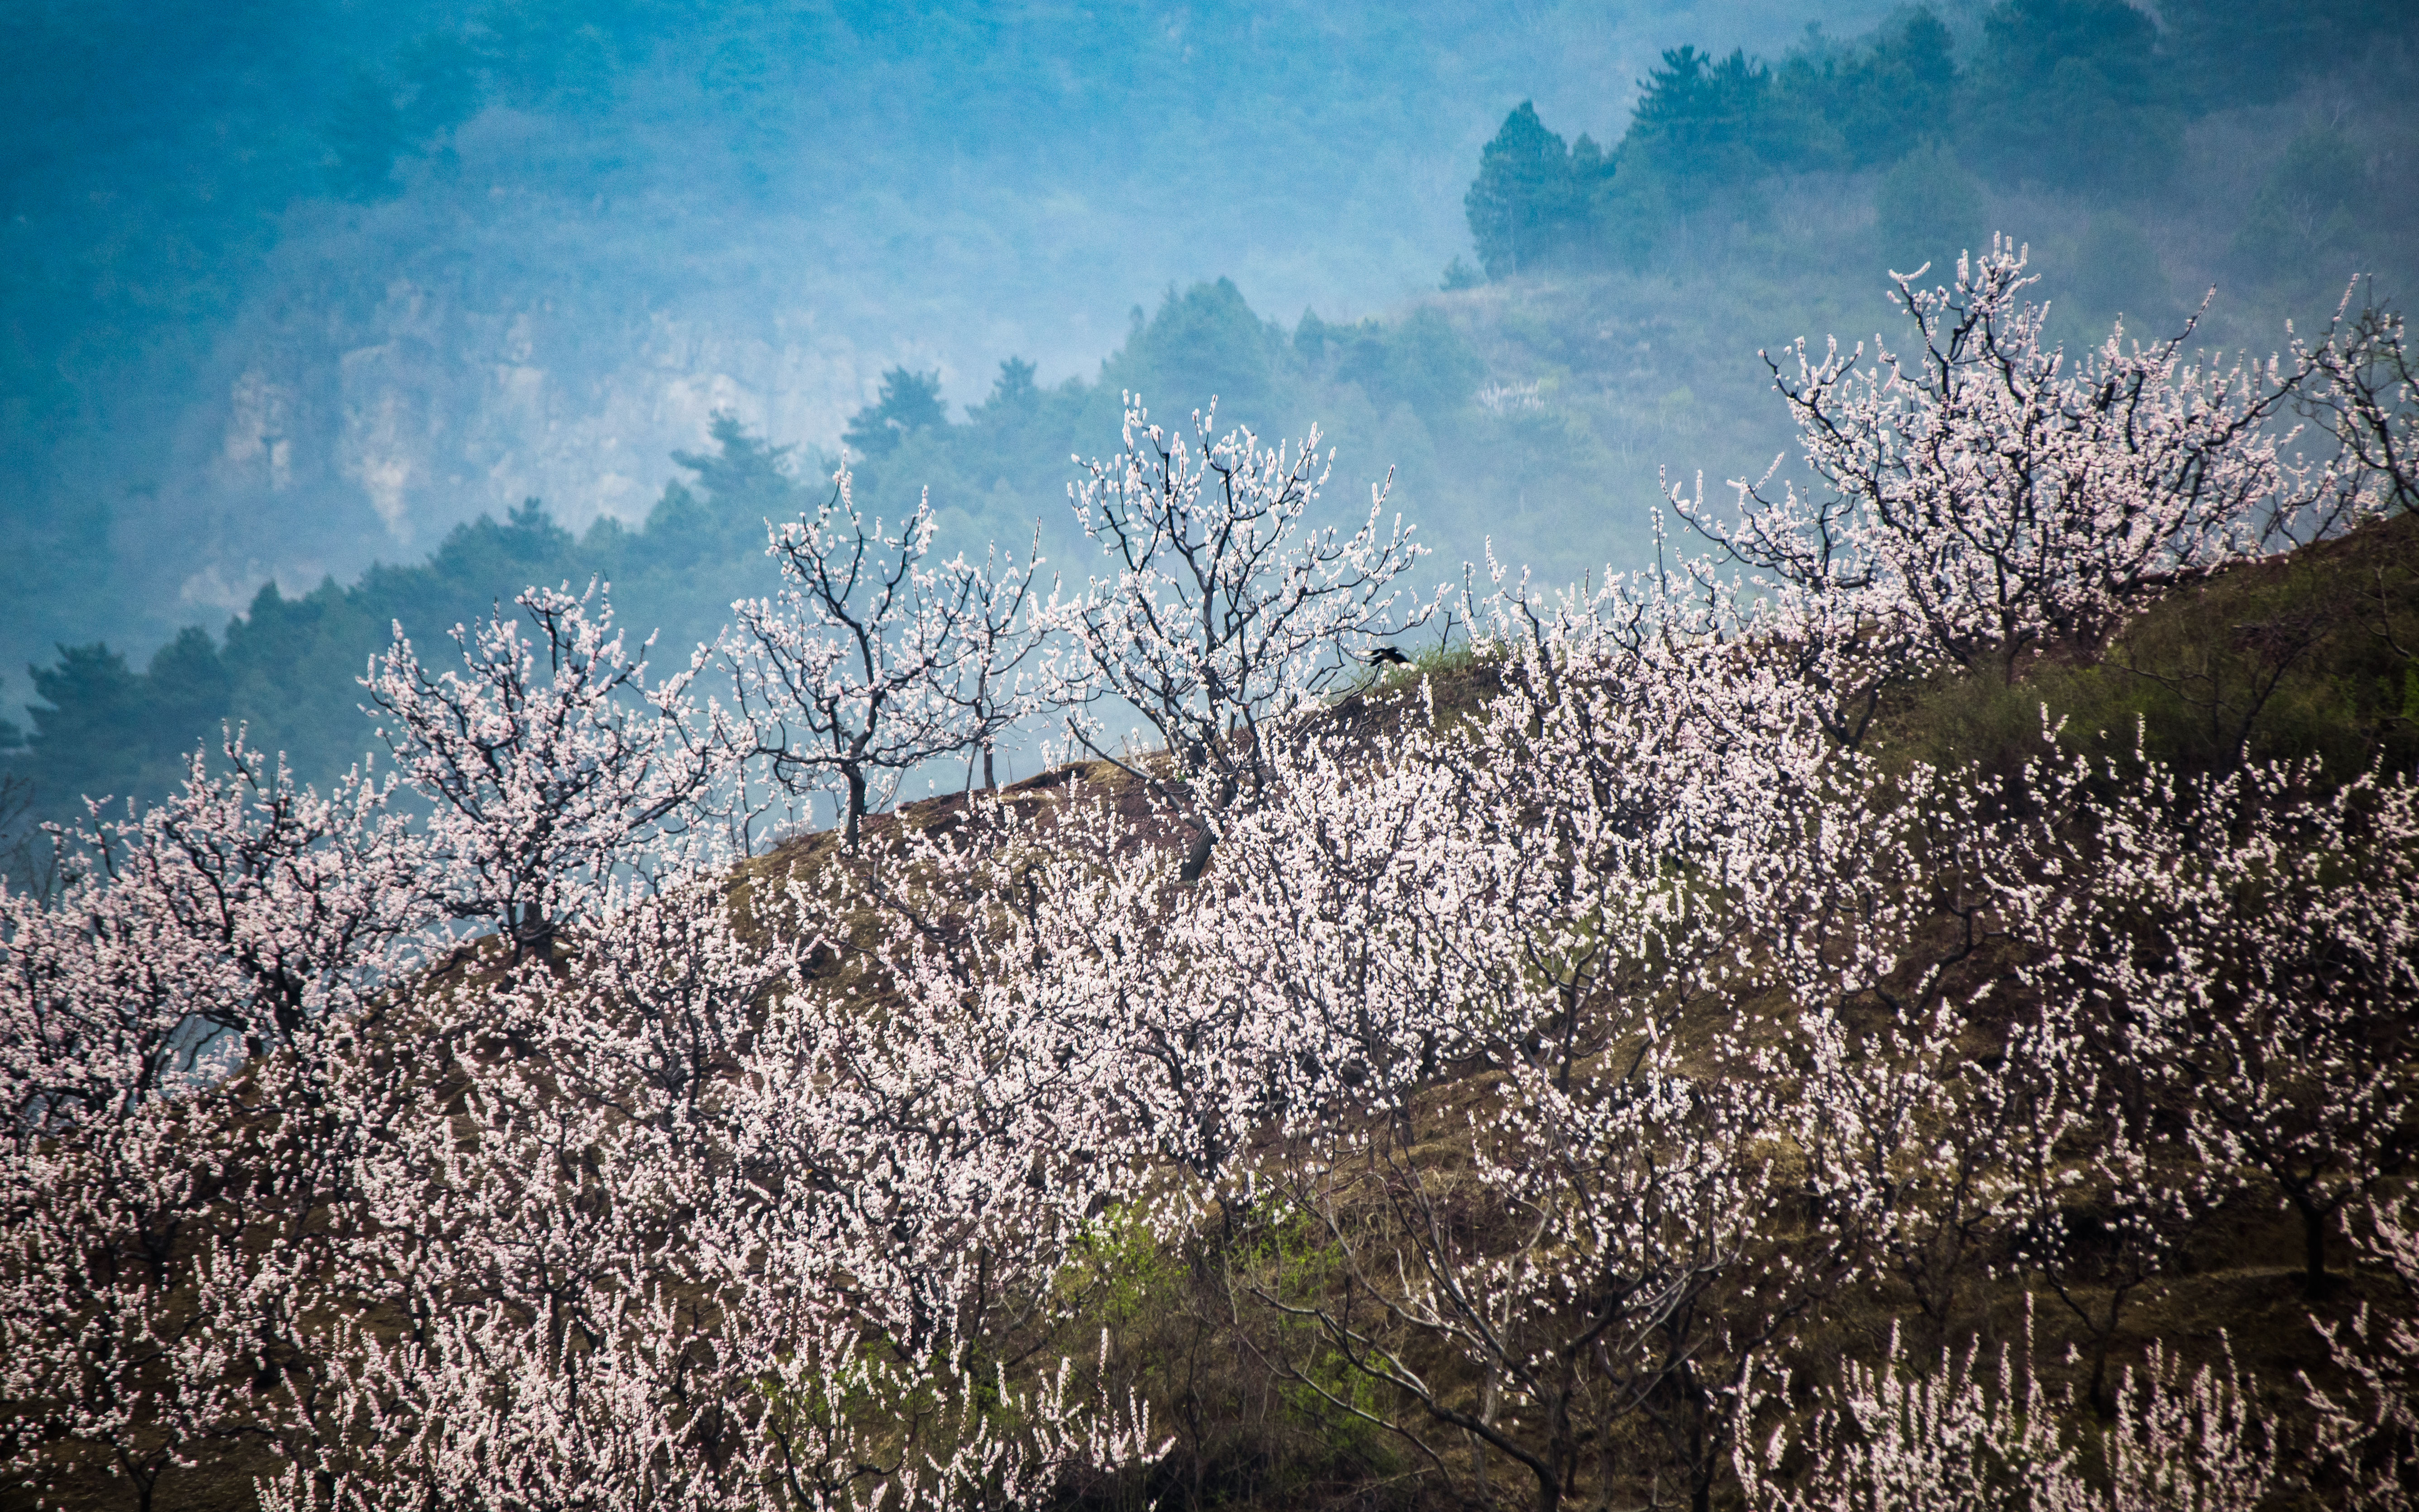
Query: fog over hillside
x,y
602,223
295,287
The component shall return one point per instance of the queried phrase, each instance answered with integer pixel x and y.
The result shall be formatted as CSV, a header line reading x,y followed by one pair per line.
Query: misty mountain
x,y
300,288
298,284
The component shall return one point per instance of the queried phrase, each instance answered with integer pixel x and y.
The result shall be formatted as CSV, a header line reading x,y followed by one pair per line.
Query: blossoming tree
x,y
875,660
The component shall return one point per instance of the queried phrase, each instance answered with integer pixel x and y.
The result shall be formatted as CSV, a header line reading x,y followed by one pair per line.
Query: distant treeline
x,y
287,668
199,197
2080,97
1529,414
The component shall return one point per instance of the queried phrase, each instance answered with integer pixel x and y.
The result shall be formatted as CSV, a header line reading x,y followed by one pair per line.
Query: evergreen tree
x,y
1529,206
746,477
2253,51
89,739
1423,361
909,401
1703,124
1899,92
1203,342
1014,395
2068,92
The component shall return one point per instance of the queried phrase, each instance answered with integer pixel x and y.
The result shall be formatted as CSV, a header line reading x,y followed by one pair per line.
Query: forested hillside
x,y
1599,329
296,285
289,667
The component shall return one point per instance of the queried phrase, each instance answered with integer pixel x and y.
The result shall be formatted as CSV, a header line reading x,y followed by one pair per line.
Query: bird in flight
x,y
1388,656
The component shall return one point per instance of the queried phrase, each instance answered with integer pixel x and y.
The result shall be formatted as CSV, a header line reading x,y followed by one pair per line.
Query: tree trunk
x,y
2102,1402
1550,1490
855,807
532,932
1197,860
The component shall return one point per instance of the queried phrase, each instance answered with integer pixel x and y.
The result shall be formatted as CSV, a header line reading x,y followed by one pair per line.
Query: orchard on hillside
x,y
1622,1058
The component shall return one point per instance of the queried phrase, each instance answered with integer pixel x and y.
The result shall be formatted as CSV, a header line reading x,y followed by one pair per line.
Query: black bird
x,y
1388,656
